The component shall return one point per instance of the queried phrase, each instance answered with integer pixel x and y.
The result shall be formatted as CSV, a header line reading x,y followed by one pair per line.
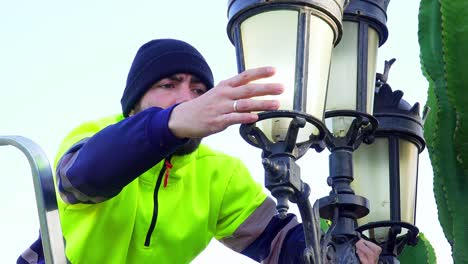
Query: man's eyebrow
x,y
175,77
178,78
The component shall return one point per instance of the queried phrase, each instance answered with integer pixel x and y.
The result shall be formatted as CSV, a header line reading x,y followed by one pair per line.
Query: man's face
x,y
171,90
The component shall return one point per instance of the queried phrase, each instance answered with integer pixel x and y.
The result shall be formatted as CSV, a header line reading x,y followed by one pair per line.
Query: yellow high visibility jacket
x,y
155,220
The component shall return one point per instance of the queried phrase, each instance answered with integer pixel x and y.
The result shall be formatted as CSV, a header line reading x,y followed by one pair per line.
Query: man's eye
x,y
198,91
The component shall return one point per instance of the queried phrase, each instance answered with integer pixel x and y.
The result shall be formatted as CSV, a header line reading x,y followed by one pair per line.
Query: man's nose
x,y
185,94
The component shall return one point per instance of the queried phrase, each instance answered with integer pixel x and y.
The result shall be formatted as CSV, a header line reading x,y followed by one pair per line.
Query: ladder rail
x,y
49,220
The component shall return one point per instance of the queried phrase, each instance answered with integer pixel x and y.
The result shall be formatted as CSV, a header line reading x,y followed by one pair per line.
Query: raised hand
x,y
228,103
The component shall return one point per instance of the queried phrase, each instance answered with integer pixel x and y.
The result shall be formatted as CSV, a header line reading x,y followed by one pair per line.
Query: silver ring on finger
x,y
234,106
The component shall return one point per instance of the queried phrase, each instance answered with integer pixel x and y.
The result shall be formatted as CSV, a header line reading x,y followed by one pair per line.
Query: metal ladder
x,y
51,231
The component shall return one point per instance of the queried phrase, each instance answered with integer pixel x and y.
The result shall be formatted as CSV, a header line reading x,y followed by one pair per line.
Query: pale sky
x,y
65,62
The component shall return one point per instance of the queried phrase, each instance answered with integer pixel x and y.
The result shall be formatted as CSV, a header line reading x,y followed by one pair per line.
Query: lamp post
x,y
325,53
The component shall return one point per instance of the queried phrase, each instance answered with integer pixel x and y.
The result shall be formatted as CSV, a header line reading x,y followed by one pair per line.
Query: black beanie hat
x,y
158,59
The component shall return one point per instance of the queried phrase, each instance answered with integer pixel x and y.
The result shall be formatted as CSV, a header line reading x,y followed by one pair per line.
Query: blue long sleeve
x,y
293,246
100,166
282,241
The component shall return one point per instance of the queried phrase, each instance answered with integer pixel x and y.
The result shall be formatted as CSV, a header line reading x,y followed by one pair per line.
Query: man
x,y
139,187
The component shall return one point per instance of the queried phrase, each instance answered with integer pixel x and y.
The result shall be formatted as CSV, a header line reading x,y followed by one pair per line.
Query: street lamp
x,y
299,47
328,103
297,38
353,67
391,163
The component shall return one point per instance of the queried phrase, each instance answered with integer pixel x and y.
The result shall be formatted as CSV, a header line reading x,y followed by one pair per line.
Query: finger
x,y
256,89
364,253
250,75
239,118
249,105
363,258
368,250
375,248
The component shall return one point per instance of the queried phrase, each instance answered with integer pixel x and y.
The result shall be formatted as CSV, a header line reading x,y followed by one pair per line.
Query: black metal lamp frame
x,y
282,174
343,207
282,178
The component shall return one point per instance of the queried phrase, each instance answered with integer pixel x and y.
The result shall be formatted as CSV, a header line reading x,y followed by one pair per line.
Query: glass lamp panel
x,y
372,45
409,155
371,180
342,84
270,39
339,125
321,38
276,129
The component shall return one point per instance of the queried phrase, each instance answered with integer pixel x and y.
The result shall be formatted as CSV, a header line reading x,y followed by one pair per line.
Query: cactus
x,y
423,252
443,38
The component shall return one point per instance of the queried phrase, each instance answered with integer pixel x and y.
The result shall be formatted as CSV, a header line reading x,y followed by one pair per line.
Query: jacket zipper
x,y
155,204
